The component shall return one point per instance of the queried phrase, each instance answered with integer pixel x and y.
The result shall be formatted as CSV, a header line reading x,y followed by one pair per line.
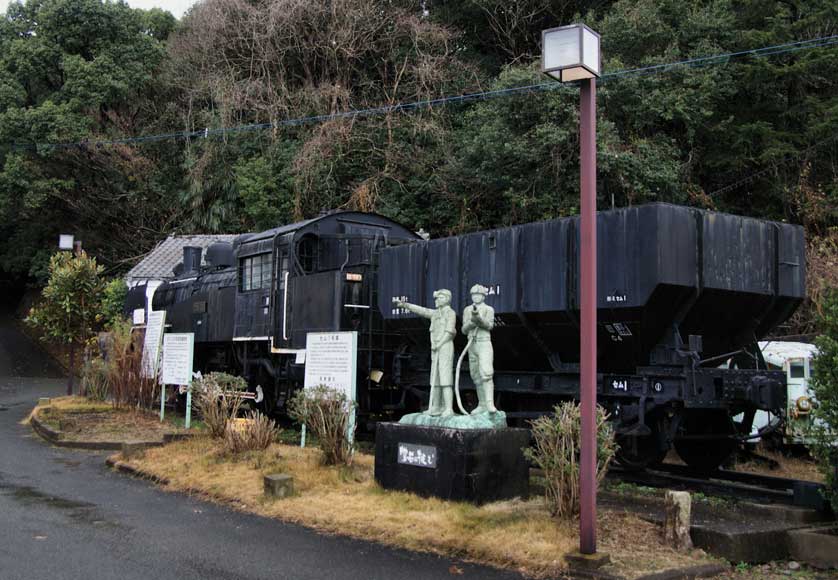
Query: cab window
x,y
255,272
797,370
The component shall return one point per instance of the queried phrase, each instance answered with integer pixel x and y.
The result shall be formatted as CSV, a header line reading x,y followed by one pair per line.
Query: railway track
x,y
729,484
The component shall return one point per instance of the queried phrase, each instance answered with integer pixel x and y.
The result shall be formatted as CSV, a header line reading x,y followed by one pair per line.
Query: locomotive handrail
x,y
285,308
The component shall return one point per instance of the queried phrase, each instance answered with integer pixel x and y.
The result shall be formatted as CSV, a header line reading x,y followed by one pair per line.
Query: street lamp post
x,y
571,53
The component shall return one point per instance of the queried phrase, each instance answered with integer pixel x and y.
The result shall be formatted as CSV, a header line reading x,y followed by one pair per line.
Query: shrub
x,y
255,434
128,387
70,307
824,428
325,412
556,452
113,300
95,381
216,398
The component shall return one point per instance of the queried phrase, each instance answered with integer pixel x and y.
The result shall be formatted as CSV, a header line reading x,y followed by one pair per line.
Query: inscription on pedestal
x,y
418,455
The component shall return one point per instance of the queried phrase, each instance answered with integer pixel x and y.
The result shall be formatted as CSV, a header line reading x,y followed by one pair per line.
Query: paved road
x,y
64,515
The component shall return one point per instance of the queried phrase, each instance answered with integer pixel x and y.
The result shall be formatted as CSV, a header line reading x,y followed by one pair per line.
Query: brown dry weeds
x,y
512,534
82,420
794,465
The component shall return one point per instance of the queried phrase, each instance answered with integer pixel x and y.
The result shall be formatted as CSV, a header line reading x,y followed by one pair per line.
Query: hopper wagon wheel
x,y
637,453
712,445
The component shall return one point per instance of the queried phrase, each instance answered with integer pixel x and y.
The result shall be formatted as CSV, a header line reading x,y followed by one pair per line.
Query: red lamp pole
x,y
588,259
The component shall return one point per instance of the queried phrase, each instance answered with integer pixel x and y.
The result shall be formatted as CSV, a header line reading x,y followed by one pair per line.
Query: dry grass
x,y
511,534
794,466
636,546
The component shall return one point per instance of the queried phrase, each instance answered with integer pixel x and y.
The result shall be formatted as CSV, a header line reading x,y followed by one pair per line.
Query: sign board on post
x,y
178,351
332,360
151,343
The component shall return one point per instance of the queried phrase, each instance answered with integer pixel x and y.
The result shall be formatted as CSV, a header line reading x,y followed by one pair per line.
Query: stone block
x,y
474,465
279,485
676,523
587,562
815,546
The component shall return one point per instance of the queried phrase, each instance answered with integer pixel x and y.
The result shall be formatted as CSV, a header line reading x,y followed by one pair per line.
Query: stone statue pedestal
x,y
473,465
480,421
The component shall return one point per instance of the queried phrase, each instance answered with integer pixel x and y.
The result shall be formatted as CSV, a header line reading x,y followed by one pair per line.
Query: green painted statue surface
x,y
478,321
443,330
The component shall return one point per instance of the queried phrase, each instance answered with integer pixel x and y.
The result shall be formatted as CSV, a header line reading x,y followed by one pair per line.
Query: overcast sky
x,y
176,7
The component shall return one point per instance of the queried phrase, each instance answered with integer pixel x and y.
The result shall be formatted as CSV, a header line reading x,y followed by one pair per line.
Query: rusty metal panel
x,y
491,259
443,269
546,264
738,254
401,273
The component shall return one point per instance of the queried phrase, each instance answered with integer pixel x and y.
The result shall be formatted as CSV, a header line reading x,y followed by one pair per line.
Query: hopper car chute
x,y
679,290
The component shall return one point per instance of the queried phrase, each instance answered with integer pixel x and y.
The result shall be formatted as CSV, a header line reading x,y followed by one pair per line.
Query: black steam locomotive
x,y
680,291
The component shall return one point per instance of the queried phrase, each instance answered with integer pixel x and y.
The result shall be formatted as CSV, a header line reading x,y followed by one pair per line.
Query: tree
x,y
70,308
825,390
73,71
237,62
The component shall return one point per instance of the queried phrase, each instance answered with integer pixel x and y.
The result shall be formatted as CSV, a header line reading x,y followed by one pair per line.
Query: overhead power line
x,y
740,182
824,41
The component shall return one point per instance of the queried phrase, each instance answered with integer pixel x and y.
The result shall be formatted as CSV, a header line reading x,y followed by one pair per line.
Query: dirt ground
x,y
776,571
81,420
792,464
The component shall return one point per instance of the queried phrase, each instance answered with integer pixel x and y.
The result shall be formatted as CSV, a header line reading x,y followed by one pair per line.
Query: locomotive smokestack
x,y
191,259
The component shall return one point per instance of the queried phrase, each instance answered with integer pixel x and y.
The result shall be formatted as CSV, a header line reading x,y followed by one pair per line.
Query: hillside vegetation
x,y
752,135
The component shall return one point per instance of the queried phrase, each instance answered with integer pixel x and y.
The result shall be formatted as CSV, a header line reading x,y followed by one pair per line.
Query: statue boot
x,y
481,405
447,401
434,407
489,396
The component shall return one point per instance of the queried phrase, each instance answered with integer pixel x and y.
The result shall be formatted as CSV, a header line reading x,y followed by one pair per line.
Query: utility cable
x,y
821,42
761,172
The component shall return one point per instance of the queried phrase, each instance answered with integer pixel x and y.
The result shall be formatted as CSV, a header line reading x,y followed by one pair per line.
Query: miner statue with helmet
x,y
443,330
460,456
478,321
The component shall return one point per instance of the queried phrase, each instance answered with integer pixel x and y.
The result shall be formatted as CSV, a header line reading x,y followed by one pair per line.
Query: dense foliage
x,y
825,390
755,135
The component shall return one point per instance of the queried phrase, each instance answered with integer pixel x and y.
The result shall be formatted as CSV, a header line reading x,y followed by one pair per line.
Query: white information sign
x,y
151,344
139,316
178,349
332,360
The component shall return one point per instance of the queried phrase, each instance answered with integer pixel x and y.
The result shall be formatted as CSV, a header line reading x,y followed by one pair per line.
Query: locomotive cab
x,y
313,276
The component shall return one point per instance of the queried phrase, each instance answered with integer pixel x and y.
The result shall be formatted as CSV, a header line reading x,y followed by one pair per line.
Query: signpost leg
x,y
303,436
162,401
188,419
350,426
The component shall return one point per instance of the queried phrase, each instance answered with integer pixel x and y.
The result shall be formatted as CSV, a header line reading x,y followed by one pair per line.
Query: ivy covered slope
x,y
753,136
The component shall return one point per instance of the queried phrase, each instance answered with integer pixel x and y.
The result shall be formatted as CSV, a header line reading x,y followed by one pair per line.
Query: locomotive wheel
x,y
709,453
638,453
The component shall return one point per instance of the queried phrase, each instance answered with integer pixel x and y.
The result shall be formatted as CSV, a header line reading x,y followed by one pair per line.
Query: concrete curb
x,y
129,469
54,437
688,572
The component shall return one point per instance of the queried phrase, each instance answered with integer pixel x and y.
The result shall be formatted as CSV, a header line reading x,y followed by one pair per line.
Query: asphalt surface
x,y
65,515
